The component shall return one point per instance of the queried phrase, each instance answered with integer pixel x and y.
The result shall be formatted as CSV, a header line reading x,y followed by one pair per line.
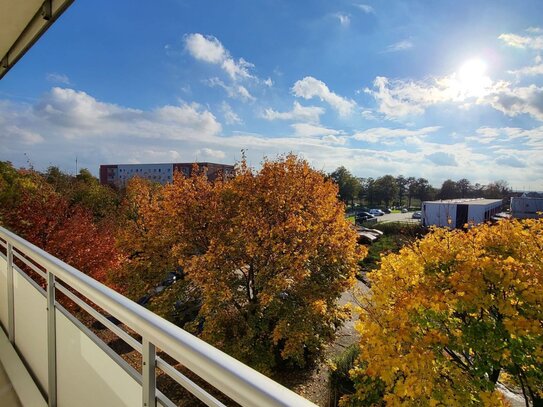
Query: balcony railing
x,y
72,366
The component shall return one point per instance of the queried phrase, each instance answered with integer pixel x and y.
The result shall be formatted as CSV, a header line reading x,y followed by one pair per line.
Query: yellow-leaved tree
x,y
450,313
271,252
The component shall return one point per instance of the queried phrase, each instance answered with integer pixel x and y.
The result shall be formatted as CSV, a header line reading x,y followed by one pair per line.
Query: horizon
x,y
437,91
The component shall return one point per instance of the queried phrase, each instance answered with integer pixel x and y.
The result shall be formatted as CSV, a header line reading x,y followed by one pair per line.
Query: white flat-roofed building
x,y
525,206
458,212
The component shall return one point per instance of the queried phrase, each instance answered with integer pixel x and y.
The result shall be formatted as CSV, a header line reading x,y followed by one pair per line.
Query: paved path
x,y
397,217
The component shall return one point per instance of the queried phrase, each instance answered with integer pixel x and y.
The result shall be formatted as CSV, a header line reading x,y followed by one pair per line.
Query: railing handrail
x,y
238,381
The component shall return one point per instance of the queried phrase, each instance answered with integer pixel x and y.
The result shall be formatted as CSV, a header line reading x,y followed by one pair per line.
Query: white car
x,y
376,212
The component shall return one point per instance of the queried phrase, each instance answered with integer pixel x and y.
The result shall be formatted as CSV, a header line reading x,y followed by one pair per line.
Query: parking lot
x,y
397,217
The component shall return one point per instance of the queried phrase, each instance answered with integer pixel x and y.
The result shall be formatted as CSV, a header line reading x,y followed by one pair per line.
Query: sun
x,y
472,78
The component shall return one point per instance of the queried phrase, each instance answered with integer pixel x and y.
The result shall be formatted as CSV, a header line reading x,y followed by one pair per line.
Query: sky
x,y
433,89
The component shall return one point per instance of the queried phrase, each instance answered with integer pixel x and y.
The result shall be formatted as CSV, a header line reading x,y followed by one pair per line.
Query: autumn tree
x,y
449,314
271,252
46,219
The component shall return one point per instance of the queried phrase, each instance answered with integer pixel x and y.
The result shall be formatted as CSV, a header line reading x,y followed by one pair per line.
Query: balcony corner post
x,y
148,374
51,341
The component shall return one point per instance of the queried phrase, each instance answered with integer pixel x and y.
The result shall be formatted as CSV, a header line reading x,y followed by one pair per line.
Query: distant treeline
x,y
402,191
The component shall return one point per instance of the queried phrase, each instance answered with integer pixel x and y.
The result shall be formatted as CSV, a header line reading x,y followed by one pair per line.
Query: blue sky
x,y
433,89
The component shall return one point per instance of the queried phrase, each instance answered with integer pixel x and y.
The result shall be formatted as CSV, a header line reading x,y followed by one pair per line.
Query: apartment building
x,y
117,175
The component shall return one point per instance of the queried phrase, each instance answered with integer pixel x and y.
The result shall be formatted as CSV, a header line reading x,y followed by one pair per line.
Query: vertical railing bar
x,y
51,341
11,298
149,374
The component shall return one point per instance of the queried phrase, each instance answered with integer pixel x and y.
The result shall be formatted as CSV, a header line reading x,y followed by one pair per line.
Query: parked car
x,y
363,216
387,210
404,210
376,212
417,215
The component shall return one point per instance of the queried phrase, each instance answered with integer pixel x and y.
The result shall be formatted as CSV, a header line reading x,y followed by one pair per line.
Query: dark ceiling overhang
x,y
22,23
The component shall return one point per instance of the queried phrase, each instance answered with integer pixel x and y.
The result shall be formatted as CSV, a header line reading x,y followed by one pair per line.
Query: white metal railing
x,y
239,382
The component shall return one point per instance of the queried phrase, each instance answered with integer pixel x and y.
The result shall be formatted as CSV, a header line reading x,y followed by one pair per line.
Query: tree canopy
x,y
450,313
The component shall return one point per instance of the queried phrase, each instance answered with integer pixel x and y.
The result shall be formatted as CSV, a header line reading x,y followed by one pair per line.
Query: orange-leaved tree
x,y
271,252
450,313
46,219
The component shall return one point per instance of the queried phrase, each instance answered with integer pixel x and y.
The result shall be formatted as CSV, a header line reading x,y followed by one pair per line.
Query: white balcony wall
x,y
86,375
31,327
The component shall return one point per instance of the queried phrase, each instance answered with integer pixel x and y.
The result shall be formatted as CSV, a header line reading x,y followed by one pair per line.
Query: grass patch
x,y
351,219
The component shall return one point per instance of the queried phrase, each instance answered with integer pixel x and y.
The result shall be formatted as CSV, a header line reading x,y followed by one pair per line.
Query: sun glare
x,y
471,77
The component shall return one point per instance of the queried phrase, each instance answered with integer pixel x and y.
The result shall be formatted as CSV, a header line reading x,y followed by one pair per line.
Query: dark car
x,y
417,215
363,216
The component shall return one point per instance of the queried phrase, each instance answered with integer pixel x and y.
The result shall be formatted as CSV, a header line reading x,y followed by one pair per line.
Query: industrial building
x,y
525,206
117,175
456,213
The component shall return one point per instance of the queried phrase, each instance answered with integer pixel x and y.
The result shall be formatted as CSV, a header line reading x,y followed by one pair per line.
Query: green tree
x,y
449,190
386,189
349,186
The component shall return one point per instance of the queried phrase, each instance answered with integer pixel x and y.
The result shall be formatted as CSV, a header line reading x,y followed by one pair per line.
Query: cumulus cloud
x,y
208,48
443,159
24,136
513,101
230,117
310,87
298,113
70,122
383,134
311,130
234,91
401,98
399,46
209,153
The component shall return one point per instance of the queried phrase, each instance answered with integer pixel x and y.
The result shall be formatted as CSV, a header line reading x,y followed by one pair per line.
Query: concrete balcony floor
x,y
7,393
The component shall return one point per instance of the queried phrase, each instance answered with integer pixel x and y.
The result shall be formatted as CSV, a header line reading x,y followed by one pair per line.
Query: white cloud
x,y
268,82
311,130
520,100
74,123
524,41
401,98
234,91
531,70
383,134
442,159
343,19
510,161
365,8
310,87
210,153
24,136
209,49
399,46
230,117
299,113
58,78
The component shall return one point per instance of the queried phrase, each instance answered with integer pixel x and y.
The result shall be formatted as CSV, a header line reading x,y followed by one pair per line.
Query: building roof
x,y
465,201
